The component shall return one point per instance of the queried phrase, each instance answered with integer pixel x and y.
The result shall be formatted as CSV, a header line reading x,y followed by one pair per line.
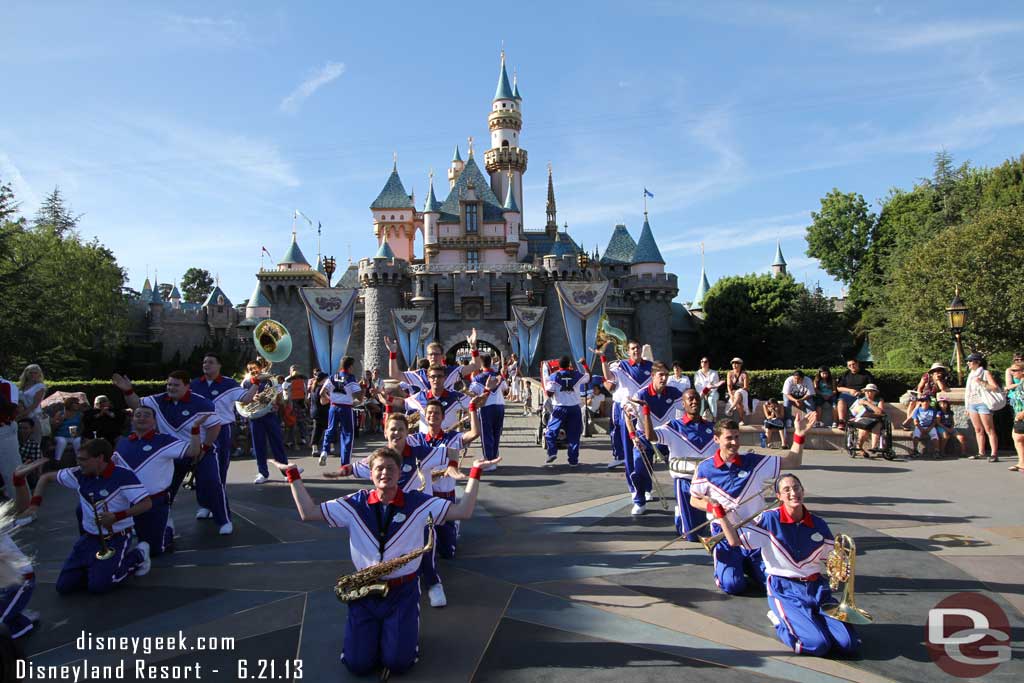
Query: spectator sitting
x,y
850,387
925,420
103,422
797,392
677,379
868,412
935,381
706,381
27,446
773,422
737,384
825,392
947,427
69,431
371,404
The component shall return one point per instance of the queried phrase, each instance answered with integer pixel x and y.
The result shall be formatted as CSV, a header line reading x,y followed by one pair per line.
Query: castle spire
x,y
550,210
504,90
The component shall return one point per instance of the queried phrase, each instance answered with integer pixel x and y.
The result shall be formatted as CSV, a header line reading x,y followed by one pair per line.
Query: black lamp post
x,y
956,318
330,264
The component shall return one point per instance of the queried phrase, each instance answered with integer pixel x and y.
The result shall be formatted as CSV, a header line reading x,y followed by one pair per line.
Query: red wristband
x,y
453,463
798,438
292,474
128,392
392,355
18,480
474,473
632,435
647,409
717,510
205,448
603,359
195,431
36,501
120,514
474,353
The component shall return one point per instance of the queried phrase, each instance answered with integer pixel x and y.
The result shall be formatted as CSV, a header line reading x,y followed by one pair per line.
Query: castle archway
x,y
460,351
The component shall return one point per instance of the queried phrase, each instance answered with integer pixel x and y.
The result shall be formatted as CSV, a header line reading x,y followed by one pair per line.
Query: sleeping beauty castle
x,y
478,262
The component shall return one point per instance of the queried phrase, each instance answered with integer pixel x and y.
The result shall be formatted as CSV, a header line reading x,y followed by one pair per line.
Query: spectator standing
x,y
797,392
103,422
10,456
296,393
1015,397
773,423
851,387
321,409
980,380
706,381
1008,379
737,384
31,390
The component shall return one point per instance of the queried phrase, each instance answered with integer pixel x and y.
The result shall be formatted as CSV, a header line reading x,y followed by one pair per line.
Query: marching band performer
x,y
109,497
689,440
659,403
222,392
384,523
267,427
17,576
342,388
794,544
419,378
563,387
492,412
153,457
451,401
734,480
628,377
177,411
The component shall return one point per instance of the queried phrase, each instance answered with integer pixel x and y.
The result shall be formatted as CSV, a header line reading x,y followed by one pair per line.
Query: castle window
x,y
471,224
473,258
504,143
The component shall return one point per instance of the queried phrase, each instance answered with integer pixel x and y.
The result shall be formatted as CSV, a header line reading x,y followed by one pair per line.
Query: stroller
x,y
561,441
885,448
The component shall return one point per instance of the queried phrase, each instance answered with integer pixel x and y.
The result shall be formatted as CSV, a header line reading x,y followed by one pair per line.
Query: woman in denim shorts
x,y
981,416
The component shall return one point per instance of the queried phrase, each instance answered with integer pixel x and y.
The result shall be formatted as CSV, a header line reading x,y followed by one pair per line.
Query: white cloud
x,y
316,80
24,194
729,236
909,37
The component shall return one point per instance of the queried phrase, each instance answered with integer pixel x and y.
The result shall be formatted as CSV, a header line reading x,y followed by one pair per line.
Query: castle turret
x,y
697,306
431,213
513,222
651,290
258,306
394,219
455,170
383,279
175,297
505,155
779,264
550,210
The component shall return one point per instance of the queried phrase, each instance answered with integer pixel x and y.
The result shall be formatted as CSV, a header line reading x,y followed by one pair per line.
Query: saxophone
x,y
369,581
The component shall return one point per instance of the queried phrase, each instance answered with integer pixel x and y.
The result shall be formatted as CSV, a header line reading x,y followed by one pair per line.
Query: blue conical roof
x,y
154,296
393,196
515,89
320,265
510,201
175,294
385,251
779,261
457,157
504,90
646,248
211,298
258,299
293,255
620,247
432,205
702,290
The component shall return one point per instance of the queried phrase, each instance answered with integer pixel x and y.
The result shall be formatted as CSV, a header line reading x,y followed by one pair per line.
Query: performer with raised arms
x,y
386,527
736,481
795,546
435,356
492,411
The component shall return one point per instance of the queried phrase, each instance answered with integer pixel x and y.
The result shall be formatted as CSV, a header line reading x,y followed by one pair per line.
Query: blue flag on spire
x,y
648,193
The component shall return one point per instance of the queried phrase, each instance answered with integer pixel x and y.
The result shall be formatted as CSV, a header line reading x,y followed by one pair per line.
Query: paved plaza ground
x,y
549,583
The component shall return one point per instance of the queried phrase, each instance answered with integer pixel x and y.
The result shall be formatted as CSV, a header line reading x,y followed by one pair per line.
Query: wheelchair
x,y
885,447
561,440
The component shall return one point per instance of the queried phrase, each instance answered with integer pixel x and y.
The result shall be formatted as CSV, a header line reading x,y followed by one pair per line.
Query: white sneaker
x,y
773,618
551,459
638,510
437,596
649,496
146,564
226,529
616,463
323,460
203,513
260,479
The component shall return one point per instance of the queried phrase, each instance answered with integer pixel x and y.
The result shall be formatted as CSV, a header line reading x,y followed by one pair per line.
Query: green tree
x,y
841,234
55,215
983,256
196,284
744,315
811,333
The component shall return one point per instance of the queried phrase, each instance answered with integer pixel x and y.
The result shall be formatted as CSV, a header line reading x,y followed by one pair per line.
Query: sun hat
x,y
736,360
870,387
937,366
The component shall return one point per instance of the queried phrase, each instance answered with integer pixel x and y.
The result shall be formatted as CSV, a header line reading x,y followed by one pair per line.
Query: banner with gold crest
x,y
529,324
408,330
331,311
582,305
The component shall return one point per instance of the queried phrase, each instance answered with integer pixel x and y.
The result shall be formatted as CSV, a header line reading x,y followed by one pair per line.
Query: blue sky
x,y
186,133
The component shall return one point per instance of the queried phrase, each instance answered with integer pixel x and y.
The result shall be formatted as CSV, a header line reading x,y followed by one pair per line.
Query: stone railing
x,y
445,268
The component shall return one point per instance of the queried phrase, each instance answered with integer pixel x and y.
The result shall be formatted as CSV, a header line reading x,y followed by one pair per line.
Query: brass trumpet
x,y
105,552
709,542
839,567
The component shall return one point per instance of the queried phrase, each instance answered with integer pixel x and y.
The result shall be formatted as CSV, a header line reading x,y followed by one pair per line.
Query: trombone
x,y
105,552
